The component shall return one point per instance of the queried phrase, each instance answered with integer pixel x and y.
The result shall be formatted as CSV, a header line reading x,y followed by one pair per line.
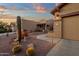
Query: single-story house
x,y
66,21
31,25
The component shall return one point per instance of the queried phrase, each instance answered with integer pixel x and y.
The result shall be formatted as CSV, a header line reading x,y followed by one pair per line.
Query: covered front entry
x,y
71,27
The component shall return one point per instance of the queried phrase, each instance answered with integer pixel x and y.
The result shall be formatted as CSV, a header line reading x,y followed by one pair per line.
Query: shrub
x,y
2,30
16,47
30,51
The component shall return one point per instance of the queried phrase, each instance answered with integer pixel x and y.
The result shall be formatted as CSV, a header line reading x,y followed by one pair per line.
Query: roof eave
x,y
57,8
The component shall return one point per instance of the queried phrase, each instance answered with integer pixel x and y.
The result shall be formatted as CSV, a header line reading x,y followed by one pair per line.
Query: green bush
x,y
2,30
16,47
30,51
3,27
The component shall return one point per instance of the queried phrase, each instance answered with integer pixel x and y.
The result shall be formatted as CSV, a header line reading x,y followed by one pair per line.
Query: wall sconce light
x,y
56,24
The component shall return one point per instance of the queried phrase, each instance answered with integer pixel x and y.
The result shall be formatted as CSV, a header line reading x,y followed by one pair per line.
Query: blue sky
x,y
34,10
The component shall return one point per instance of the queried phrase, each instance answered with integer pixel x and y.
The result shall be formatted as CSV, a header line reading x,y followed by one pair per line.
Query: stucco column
x,y
57,25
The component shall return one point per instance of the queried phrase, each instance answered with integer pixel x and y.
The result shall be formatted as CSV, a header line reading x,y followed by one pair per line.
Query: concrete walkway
x,y
46,38
6,33
65,48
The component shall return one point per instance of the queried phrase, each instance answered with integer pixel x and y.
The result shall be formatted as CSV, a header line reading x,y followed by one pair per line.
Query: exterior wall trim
x,y
56,20
70,14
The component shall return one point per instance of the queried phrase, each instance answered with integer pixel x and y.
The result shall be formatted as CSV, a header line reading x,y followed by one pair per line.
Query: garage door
x,y
71,28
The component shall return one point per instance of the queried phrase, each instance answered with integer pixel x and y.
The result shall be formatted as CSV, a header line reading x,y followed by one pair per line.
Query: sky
x,y
30,11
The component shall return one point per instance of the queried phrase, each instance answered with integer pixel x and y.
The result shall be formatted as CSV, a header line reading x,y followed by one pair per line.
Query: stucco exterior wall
x,y
70,8
57,30
71,28
28,25
70,24
56,26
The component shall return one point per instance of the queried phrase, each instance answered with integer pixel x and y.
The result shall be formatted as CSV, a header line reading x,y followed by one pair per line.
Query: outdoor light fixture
x,y
57,16
56,24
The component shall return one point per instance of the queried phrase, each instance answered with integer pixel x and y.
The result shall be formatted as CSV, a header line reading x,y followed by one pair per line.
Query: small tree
x,y
2,27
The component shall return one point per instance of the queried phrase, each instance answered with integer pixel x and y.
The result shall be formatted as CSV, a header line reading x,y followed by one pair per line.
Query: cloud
x,y
2,8
13,8
39,8
19,10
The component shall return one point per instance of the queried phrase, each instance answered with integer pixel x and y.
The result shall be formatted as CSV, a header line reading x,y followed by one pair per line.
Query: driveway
x,y
65,48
